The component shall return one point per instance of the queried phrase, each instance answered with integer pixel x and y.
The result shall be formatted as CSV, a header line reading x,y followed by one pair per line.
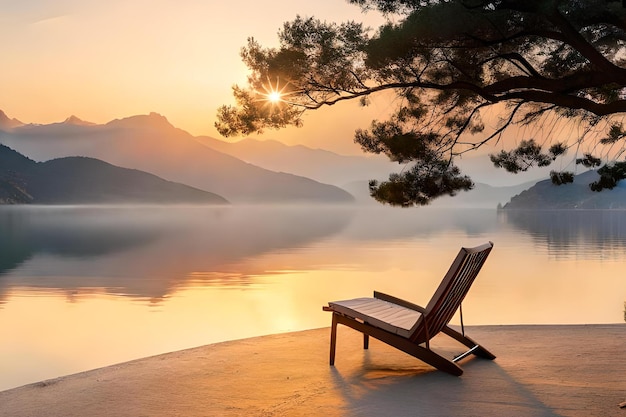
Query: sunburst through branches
x,y
273,93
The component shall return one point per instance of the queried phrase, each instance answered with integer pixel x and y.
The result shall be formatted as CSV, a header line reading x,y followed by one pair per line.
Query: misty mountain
x,y
82,180
73,120
150,143
6,123
577,195
479,167
318,164
482,196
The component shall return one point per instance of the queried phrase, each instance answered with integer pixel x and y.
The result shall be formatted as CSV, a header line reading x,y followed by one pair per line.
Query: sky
x,y
103,60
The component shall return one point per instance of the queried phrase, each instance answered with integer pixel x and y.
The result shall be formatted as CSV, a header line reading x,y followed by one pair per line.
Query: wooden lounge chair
x,y
407,326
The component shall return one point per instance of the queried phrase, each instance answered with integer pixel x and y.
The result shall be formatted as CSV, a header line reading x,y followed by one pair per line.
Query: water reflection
x,y
65,232
385,223
584,234
147,251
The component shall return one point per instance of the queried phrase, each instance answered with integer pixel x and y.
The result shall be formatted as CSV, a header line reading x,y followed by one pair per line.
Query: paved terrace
x,y
539,371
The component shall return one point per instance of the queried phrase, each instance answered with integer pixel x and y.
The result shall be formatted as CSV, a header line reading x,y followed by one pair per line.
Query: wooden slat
x,y
391,317
452,290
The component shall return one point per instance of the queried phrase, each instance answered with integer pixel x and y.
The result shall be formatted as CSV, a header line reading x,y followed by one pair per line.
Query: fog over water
x,y
87,286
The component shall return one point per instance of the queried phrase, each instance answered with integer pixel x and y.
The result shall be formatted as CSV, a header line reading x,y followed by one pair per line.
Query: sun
x,y
274,96
273,93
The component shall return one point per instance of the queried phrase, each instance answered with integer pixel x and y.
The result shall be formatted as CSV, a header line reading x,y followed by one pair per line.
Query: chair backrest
x,y
451,292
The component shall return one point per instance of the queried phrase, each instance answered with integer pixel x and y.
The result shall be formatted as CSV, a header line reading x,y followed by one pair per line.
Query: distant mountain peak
x,y
156,115
7,123
153,120
73,120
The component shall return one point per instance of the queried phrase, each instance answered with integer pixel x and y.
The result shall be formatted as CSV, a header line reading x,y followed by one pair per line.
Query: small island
x,y
575,196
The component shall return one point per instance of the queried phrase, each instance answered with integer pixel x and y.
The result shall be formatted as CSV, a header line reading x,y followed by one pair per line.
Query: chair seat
x,y
379,313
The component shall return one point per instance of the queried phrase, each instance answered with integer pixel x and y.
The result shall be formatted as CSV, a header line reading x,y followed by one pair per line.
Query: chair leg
x,y
475,348
333,339
366,341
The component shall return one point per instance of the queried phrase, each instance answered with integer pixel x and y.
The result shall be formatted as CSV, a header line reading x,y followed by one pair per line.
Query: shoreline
x,y
540,370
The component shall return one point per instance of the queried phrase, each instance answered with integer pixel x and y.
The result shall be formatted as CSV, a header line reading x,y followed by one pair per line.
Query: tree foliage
x,y
610,175
449,62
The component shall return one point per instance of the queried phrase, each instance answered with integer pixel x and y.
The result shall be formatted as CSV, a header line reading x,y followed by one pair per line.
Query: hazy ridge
x,y
318,164
82,180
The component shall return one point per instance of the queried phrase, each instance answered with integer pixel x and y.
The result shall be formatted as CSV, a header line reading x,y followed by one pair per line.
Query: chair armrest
x,y
399,301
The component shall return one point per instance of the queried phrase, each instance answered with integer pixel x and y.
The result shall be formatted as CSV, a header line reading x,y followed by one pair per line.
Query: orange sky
x,y
105,60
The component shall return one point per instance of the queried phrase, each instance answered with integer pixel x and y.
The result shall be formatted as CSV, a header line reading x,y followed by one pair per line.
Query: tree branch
x,y
511,89
578,42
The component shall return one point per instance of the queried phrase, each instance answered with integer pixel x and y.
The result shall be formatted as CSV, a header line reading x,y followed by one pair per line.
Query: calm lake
x,y
85,287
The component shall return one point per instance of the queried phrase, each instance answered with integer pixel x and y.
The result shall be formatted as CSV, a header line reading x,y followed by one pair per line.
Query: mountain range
x,y
151,144
82,180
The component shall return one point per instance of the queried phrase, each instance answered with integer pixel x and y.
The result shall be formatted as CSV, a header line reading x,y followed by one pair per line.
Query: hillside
x,y
318,164
81,180
578,195
150,143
